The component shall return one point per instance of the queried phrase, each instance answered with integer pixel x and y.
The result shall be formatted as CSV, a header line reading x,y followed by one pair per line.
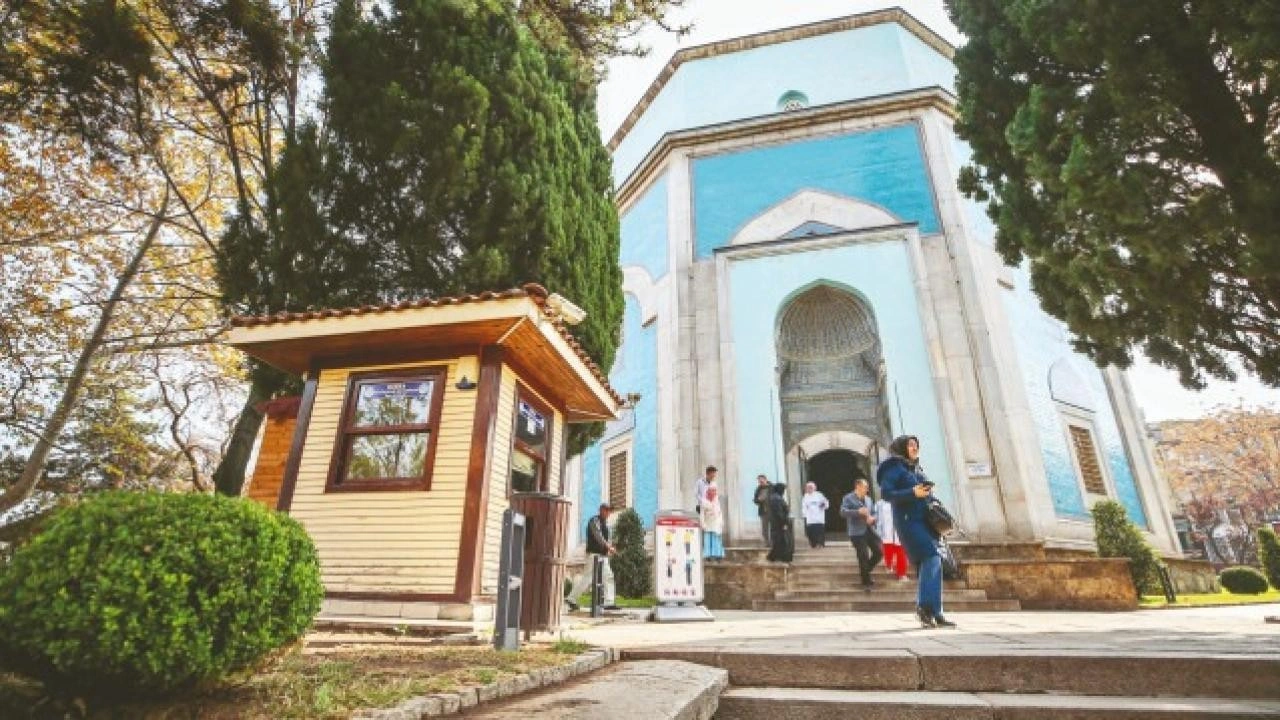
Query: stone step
x,y
1062,672
867,602
895,591
851,583
635,690
770,703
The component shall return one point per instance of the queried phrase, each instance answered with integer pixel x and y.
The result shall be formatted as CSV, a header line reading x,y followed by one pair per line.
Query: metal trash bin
x,y
546,535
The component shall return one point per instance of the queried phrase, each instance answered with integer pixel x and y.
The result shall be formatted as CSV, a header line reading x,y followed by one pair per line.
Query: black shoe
x,y
572,605
609,607
942,622
926,619
868,584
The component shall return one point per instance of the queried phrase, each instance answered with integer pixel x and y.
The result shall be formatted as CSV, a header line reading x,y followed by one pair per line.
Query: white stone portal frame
x,y
809,205
637,282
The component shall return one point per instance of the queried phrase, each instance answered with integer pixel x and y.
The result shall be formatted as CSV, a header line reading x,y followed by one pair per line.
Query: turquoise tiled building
x,y
804,282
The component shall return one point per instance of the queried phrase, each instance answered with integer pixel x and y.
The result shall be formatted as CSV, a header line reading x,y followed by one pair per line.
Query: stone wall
x,y
733,586
1086,584
1192,576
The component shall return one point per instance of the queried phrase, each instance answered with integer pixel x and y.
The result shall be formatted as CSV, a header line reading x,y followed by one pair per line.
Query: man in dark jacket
x,y
761,500
858,510
598,546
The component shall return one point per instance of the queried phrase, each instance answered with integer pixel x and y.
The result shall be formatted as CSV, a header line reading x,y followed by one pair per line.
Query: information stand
x,y
677,559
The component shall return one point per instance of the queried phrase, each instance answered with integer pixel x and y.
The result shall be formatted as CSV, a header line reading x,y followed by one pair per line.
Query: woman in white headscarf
x,y
711,511
814,506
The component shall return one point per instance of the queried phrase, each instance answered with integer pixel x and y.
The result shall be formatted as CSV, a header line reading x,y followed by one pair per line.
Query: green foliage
x,y
1117,536
131,594
457,155
1129,152
1269,555
631,568
1243,580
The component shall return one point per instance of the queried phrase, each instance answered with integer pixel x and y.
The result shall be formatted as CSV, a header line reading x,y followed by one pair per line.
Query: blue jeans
x,y
929,594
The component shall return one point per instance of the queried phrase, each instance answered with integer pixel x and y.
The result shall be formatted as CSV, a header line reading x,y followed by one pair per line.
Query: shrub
x,y
130,594
1243,580
631,569
1269,555
1117,536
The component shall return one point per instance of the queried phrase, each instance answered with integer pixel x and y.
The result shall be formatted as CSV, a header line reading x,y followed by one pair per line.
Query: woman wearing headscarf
x,y
903,484
711,511
780,525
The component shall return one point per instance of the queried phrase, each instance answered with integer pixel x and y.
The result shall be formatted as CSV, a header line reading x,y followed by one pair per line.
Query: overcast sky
x,y
1157,389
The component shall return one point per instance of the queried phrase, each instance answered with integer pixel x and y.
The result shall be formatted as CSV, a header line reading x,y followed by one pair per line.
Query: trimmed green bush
x,y
1269,555
631,569
1243,580
1117,536
135,594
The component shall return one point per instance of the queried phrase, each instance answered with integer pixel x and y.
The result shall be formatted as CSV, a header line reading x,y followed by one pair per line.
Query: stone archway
x,y
831,374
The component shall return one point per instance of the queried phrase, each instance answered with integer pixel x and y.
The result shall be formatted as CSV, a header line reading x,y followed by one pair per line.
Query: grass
x,y
647,601
329,685
1209,599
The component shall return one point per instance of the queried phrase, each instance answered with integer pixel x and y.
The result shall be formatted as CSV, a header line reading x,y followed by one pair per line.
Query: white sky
x,y
1157,389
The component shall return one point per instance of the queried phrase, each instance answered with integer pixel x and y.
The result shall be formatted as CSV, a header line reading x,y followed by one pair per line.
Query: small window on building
x,y
532,445
1086,452
793,100
618,479
386,439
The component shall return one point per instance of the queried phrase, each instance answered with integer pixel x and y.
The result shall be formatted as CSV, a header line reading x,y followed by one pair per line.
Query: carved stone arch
x,y
831,373
813,206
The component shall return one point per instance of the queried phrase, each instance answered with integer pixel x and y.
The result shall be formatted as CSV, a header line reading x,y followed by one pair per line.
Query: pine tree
x,y
457,154
632,570
1130,152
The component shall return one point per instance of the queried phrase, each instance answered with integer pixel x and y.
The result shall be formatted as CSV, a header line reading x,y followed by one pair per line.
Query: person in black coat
x,y
780,525
904,484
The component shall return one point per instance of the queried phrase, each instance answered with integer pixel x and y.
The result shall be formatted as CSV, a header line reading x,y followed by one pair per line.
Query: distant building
x,y
804,282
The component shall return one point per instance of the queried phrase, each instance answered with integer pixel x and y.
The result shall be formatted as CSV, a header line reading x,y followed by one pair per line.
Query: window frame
x,y
526,395
346,432
1085,420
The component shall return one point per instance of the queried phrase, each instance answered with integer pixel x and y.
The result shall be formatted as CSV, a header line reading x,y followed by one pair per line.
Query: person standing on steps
x,y
700,487
761,499
904,484
711,512
783,548
598,546
856,508
814,508
895,558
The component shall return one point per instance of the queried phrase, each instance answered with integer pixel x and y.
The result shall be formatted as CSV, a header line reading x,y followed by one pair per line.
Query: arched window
x,y
793,100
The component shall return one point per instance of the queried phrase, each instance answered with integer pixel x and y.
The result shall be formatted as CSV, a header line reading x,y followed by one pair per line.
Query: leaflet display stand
x,y
677,559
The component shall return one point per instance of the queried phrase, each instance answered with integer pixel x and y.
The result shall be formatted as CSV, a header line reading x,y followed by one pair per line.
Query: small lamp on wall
x,y
633,398
466,370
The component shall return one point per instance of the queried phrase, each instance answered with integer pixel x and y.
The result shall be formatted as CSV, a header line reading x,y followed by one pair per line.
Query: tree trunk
x,y
228,479
34,468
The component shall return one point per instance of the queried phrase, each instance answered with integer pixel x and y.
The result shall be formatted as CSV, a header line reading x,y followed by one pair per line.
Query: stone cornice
x,y
816,118
774,37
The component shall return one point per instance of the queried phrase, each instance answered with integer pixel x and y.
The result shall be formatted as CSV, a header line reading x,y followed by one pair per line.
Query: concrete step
x,y
636,690
892,591
770,703
1062,672
851,583
869,602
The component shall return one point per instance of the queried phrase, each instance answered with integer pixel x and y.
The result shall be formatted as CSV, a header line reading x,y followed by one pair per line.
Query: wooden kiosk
x,y
417,424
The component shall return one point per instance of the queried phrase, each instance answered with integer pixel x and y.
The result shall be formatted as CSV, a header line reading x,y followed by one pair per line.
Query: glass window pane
x,y
524,472
402,402
401,455
531,429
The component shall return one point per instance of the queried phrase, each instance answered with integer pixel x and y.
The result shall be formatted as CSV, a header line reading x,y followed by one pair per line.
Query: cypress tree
x,y
454,153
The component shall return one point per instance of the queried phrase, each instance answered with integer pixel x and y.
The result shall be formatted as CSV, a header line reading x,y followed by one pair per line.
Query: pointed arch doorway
x,y
831,381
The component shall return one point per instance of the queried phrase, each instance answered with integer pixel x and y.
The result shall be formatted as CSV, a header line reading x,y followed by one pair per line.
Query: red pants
x,y
895,558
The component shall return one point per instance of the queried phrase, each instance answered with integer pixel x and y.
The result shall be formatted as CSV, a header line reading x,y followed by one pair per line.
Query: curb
x,y
438,704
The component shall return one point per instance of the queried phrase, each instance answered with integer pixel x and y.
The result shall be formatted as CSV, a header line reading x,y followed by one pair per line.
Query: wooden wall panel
x,y
273,455
388,541
499,478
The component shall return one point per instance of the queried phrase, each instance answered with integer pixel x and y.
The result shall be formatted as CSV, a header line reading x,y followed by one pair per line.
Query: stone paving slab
x,y
642,690
771,703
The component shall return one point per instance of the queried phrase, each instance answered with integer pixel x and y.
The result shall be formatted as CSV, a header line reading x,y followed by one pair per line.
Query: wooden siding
x,y
500,473
388,541
273,454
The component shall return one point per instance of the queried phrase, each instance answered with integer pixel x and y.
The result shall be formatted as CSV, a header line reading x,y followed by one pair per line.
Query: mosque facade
x,y
804,282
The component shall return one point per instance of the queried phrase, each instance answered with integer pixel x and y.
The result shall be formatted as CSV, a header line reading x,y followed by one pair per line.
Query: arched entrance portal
x,y
834,471
831,385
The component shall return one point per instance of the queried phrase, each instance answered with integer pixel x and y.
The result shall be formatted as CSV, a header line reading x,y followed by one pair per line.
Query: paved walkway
x,y
1229,630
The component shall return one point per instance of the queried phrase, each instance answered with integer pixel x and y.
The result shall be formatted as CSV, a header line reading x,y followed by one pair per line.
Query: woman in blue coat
x,y
904,485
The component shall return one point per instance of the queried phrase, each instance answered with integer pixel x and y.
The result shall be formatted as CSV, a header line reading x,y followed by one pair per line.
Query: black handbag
x,y
937,517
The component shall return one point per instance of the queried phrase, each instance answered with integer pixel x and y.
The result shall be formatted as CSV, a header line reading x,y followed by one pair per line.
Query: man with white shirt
x,y
700,487
814,506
